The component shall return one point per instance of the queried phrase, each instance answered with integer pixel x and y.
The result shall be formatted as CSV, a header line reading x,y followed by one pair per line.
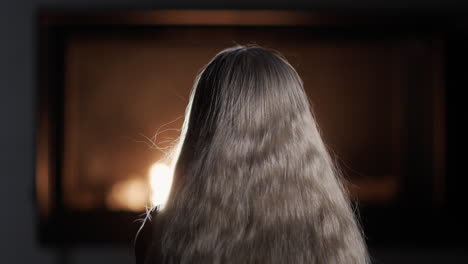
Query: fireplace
x,y
113,87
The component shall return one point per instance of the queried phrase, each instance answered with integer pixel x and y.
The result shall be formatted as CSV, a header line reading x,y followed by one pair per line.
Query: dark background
x,y
18,89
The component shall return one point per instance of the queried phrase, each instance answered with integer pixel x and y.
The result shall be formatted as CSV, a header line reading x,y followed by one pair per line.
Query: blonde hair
x,y
253,180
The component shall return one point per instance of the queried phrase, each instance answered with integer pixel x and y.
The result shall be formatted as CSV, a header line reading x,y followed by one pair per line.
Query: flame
x,y
160,179
130,195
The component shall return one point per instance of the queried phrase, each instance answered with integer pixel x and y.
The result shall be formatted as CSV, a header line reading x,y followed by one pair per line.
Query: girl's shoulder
x,y
147,237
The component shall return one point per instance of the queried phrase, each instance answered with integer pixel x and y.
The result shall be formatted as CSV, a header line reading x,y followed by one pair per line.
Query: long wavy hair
x,y
253,180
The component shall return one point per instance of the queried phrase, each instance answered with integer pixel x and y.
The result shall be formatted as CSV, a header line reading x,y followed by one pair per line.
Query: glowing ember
x,y
160,181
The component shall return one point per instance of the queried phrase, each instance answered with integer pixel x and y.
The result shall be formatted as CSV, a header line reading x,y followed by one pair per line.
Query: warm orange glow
x,y
160,178
131,194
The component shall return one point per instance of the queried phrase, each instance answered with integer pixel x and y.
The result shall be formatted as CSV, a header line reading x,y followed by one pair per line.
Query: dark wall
x,y
18,243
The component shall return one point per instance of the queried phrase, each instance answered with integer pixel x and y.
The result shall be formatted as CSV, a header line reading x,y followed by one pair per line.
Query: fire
x,y
160,179
134,193
130,195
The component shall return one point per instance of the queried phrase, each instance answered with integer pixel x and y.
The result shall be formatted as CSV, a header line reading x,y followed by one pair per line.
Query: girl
x,y
253,180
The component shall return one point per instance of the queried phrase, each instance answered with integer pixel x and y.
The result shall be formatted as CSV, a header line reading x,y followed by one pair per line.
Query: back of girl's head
x,y
253,181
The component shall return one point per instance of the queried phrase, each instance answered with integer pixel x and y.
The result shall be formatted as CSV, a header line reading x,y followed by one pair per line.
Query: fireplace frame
x,y
383,225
